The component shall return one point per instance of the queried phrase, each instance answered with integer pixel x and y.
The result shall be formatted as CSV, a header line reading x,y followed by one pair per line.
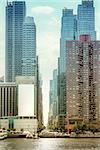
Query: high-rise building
x,y
68,32
21,62
8,99
53,87
39,100
29,47
82,79
71,28
15,15
53,97
86,19
51,93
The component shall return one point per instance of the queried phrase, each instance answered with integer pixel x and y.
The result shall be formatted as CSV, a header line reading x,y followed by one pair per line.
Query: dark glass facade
x,y
15,14
86,19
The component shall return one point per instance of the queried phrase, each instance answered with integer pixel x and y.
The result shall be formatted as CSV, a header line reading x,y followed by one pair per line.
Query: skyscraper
x,y
53,87
82,79
86,19
15,14
72,27
68,32
29,47
53,97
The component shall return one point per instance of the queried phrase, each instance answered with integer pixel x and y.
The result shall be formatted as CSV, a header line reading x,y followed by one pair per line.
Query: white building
x,y
26,96
26,123
26,118
26,100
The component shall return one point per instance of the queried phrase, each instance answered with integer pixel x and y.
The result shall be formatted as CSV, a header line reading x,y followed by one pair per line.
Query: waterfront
x,y
51,144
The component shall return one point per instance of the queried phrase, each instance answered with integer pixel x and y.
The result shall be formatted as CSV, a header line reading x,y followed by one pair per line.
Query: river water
x,y
51,144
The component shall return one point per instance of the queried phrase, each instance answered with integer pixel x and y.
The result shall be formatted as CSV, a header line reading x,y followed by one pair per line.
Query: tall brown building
x,y
83,79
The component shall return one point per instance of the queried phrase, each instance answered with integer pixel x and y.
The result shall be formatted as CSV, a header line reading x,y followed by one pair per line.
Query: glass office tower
x,y
29,47
86,19
15,14
68,32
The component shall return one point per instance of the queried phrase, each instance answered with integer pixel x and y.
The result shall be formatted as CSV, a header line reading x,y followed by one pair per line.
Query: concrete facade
x,y
8,99
4,123
26,123
26,95
19,123
82,79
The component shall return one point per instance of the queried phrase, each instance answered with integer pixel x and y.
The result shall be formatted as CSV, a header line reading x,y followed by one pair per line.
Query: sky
x,y
47,16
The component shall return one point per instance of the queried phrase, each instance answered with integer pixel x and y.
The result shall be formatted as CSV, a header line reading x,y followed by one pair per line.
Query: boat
x,y
29,136
3,134
49,134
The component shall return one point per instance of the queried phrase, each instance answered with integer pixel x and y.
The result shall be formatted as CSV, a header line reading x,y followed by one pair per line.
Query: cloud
x,y
43,10
48,39
48,50
55,23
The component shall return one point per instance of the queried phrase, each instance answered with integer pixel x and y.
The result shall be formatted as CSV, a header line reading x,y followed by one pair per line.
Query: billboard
x,y
26,100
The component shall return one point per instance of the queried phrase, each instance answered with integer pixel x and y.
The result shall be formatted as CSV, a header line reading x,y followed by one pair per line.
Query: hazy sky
x,y
47,15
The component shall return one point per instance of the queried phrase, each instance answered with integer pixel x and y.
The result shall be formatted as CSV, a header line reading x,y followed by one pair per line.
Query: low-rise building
x,y
19,123
8,99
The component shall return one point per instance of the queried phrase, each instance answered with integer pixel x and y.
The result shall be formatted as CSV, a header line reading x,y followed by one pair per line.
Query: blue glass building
x,y
9,43
29,47
15,14
68,32
86,19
